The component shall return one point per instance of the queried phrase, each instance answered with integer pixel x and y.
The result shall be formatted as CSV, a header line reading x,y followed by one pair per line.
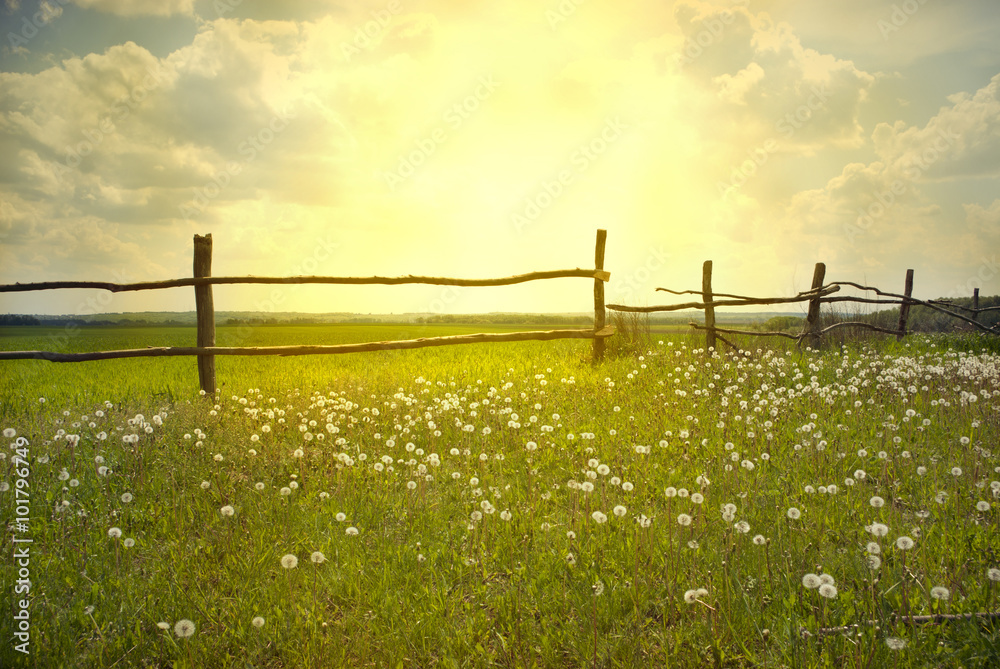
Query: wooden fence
x,y
206,350
819,293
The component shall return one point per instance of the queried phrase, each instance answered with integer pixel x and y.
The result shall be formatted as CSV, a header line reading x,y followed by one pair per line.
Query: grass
x,y
467,474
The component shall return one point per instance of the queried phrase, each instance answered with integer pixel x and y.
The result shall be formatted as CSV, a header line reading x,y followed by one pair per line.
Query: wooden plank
x,y
600,316
451,340
598,274
812,316
904,308
205,307
706,296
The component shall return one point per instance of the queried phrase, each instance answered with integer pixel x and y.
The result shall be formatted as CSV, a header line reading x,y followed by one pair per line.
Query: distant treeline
x,y
58,321
923,319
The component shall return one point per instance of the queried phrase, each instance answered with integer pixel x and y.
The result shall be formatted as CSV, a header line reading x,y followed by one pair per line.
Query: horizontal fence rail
x,y
363,347
205,350
817,295
350,280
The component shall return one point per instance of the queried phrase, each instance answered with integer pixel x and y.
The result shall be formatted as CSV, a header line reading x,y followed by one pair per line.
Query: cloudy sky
x,y
485,139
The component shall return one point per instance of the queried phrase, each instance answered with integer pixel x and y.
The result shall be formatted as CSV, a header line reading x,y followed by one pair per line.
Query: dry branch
x,y
807,294
385,280
540,335
858,324
863,300
748,332
963,308
911,300
801,297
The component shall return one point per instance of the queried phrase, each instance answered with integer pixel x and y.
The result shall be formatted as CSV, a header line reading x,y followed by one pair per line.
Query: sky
x,y
487,139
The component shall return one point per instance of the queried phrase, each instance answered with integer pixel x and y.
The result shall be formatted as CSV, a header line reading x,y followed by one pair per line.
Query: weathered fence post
x,y
812,317
706,296
975,304
904,308
206,312
599,313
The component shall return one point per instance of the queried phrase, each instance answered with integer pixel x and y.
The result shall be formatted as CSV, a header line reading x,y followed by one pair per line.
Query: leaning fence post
x,y
599,313
975,304
812,317
904,308
706,296
206,312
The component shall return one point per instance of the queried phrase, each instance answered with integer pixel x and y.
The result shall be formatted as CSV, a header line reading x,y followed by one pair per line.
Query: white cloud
x,y
770,84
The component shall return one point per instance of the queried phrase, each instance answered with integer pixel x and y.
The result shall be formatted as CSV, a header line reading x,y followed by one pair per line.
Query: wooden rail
x,y
363,347
596,274
818,294
206,350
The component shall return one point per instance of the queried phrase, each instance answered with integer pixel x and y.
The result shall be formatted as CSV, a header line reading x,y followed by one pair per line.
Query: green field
x,y
505,505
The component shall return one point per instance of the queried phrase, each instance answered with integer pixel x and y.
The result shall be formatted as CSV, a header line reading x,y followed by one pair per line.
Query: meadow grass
x,y
506,505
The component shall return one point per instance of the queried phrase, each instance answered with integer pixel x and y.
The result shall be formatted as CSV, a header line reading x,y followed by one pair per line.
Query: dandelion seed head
x,y
289,561
184,628
940,592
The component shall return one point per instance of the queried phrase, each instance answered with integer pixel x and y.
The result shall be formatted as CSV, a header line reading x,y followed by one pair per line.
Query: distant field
x,y
129,379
